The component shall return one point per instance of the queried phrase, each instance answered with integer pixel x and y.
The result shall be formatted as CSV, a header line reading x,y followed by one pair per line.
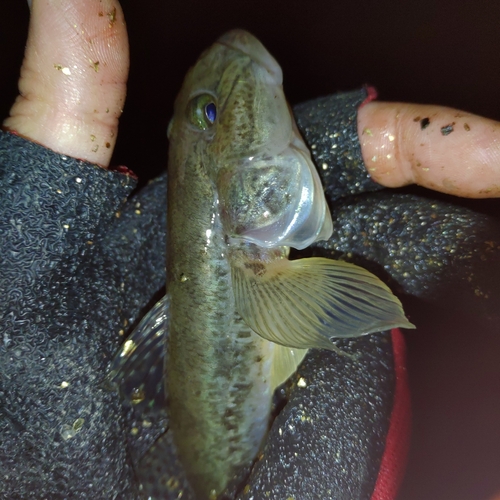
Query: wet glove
x,y
80,265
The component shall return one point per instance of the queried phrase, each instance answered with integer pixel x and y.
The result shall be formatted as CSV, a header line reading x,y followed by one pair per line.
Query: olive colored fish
x,y
242,190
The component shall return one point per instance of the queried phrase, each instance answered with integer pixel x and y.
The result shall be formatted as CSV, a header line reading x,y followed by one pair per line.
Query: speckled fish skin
x,y
217,368
242,190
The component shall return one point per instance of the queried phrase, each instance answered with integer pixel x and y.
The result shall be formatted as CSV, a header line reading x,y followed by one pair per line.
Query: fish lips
x,y
245,42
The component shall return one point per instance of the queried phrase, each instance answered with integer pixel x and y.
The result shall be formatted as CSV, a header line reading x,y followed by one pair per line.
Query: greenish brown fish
x,y
242,190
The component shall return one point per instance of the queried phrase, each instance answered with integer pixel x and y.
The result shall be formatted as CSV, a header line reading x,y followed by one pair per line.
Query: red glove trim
x,y
397,444
371,95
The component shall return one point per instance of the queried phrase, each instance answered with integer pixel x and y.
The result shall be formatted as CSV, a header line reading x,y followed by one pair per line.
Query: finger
x,y
440,148
73,78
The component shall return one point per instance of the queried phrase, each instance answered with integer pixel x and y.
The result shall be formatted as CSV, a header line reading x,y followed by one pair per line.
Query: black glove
x,y
80,266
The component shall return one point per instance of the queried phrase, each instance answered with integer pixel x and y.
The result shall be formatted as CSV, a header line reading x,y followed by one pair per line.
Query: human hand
x,y
44,121
77,113
73,79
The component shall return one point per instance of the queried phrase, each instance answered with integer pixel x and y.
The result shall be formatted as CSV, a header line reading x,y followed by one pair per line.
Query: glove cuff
x,y
394,459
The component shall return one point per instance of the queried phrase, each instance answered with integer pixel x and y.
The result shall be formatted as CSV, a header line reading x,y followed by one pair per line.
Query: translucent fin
x,y
285,363
137,369
305,303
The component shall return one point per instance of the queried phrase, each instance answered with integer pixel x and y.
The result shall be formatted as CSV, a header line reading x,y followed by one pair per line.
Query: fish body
x,y
218,370
242,190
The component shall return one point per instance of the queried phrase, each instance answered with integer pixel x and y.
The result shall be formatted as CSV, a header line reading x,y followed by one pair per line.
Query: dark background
x,y
442,52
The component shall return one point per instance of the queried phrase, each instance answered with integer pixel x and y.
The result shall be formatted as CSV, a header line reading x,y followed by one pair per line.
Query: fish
x,y
239,316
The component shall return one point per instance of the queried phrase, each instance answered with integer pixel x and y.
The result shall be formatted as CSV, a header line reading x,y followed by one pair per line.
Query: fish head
x,y
232,115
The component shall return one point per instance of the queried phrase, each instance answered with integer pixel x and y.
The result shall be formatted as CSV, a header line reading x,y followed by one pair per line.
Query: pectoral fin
x,y
137,368
306,303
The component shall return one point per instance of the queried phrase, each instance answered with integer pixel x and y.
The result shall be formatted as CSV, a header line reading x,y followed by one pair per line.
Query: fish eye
x,y
211,112
202,111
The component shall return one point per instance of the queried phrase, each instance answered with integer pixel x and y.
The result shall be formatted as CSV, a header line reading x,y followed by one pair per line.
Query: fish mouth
x,y
246,43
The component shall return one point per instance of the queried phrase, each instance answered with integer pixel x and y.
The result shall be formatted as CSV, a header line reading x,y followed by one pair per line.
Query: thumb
x,y
73,78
